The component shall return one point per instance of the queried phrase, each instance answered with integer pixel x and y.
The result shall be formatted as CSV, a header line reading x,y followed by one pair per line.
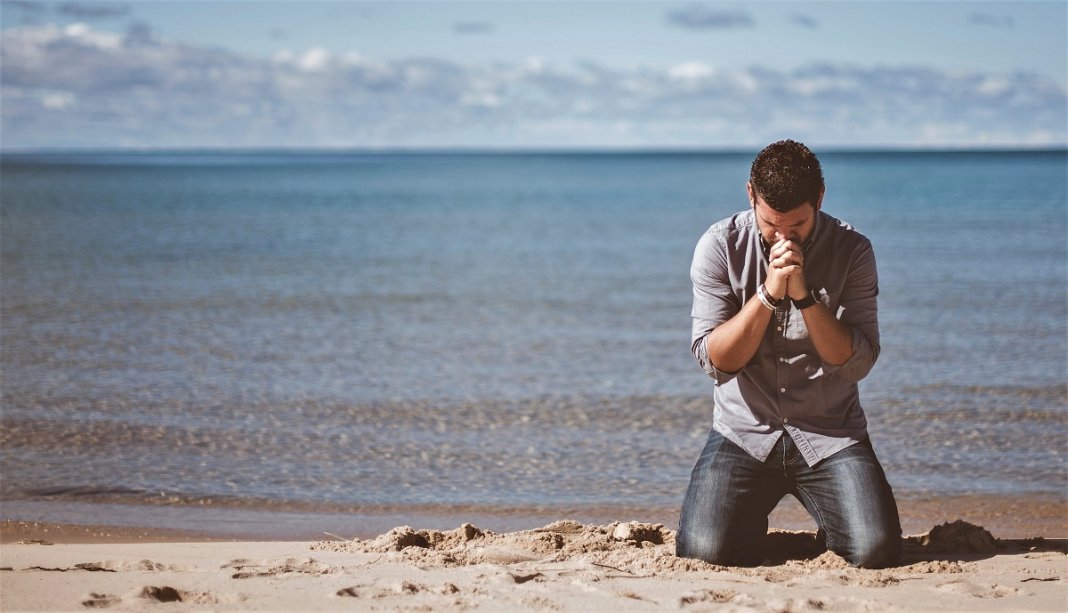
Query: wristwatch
x,y
807,301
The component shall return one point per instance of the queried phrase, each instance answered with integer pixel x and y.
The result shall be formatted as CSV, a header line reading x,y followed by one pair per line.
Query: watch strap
x,y
807,301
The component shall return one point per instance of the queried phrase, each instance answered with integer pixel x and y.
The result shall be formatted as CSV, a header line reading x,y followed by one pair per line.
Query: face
x,y
795,225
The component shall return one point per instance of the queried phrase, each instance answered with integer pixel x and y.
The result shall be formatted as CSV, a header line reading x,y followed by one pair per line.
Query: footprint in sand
x,y
404,588
198,597
161,594
525,577
349,592
717,596
270,568
100,601
978,590
113,566
164,593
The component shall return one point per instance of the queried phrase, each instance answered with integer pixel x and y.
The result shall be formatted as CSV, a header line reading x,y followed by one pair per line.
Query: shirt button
x,y
785,420
783,360
783,390
779,328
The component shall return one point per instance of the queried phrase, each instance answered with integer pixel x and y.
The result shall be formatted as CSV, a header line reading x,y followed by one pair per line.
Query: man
x,y
784,320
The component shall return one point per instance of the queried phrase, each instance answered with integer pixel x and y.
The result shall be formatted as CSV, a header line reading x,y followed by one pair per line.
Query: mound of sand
x,y
956,537
561,540
645,548
631,547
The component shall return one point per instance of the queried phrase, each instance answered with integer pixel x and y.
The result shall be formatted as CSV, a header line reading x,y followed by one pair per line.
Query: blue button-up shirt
x,y
786,386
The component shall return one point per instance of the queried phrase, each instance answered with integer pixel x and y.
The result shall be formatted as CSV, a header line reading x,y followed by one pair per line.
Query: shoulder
x,y
842,234
723,242
729,231
847,245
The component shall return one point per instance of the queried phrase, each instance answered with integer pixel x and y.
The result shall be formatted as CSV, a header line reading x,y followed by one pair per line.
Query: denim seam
x,y
816,508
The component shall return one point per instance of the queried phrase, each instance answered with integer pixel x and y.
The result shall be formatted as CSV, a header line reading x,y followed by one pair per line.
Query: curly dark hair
x,y
786,175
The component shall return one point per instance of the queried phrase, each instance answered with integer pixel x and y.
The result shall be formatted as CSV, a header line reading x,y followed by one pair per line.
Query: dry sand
x,y
563,566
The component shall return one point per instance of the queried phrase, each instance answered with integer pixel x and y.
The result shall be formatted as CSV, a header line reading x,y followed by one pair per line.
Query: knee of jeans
x,y
700,546
877,551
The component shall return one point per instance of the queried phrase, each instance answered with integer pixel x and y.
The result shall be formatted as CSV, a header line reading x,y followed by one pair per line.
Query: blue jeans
x,y
725,512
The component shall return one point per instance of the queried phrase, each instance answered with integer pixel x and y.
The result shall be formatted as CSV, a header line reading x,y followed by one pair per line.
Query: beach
x,y
210,361
565,565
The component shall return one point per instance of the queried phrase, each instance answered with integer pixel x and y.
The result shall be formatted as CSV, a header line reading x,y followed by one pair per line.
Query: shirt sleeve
x,y
858,309
714,300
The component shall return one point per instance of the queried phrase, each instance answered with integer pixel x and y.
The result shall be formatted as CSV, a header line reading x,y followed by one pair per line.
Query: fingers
x,y
789,270
785,253
787,259
784,246
790,258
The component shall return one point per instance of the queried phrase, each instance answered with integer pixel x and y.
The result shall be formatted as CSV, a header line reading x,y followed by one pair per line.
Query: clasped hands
x,y
786,274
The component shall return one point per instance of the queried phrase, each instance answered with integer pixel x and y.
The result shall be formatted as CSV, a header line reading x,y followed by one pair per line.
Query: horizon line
x,y
453,150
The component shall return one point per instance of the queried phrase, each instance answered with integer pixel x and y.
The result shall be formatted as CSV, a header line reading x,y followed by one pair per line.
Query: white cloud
x,y
154,92
745,82
534,65
812,86
314,60
57,101
85,34
994,86
690,71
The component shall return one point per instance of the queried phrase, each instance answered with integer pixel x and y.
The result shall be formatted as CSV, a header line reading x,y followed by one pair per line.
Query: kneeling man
x,y
785,321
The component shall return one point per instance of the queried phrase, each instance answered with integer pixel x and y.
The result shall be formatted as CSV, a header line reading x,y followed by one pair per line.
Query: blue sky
x,y
532,74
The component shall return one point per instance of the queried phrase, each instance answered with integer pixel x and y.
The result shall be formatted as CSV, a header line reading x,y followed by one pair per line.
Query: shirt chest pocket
x,y
806,367
796,330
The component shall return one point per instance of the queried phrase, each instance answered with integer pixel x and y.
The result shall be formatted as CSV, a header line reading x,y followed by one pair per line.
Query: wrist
x,y
770,302
777,293
797,289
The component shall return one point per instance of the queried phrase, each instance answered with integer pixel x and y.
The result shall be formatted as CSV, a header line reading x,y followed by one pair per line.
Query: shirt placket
x,y
781,366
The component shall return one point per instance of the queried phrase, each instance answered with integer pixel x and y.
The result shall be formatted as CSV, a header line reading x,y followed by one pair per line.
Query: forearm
x,y
731,345
832,338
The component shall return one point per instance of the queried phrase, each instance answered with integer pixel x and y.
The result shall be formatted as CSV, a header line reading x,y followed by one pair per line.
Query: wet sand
x,y
137,520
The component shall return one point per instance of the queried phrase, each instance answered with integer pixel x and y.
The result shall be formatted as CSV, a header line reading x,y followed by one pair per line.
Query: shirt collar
x,y
811,240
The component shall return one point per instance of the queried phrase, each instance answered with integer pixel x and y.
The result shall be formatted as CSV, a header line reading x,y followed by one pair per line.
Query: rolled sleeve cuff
x,y
701,353
859,364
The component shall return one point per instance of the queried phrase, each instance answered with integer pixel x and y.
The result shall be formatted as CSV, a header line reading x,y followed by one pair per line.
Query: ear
x,y
819,203
752,196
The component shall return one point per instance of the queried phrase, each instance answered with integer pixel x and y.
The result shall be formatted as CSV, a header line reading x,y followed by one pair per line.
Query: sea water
x,y
334,330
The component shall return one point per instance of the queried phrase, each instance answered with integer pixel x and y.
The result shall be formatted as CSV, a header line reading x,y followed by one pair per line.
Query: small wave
x,y
81,491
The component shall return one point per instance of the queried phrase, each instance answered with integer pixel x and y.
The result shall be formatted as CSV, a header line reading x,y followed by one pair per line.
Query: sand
x,y
563,566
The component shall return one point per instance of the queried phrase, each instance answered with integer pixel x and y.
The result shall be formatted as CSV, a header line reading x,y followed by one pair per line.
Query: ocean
x,y
200,337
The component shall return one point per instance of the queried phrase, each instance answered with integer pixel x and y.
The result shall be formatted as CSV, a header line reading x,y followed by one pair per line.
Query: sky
x,y
532,75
